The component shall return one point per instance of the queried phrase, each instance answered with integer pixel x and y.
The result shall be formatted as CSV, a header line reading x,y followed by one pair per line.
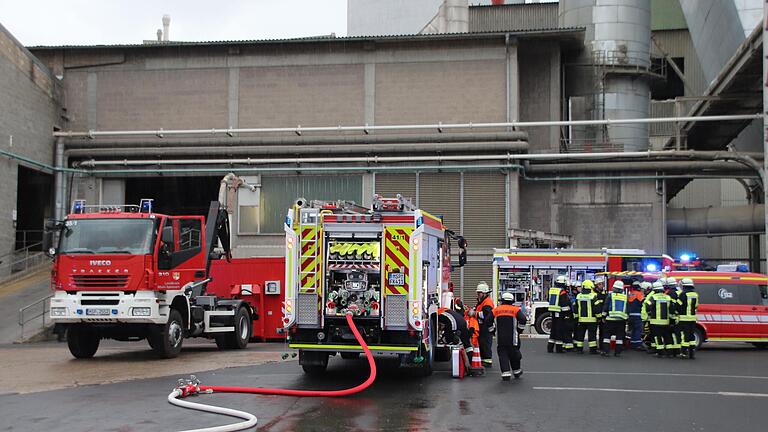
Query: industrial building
x,y
167,120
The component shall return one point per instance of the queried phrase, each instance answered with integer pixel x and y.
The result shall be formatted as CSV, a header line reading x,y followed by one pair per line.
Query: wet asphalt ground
x,y
724,389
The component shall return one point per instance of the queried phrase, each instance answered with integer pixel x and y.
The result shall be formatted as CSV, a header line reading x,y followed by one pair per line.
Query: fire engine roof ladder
x,y
309,254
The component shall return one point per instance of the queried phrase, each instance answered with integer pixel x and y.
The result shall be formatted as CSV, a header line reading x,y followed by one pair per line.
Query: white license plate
x,y
396,279
97,311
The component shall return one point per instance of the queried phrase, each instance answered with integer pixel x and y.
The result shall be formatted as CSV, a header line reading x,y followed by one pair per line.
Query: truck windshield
x,y
107,236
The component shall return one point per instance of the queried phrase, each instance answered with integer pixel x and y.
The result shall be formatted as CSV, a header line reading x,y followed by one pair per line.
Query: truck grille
x,y
100,281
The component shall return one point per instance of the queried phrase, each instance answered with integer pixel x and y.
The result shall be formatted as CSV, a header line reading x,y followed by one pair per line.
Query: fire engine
x,y
127,273
388,266
528,273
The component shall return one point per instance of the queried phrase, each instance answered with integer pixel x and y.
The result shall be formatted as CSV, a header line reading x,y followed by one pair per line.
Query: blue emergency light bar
x,y
145,205
78,206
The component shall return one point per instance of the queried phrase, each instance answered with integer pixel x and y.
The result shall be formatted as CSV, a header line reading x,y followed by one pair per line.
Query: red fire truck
x,y
388,266
127,273
528,273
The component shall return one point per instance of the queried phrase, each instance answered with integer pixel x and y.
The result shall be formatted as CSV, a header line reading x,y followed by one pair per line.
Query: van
x,y
733,306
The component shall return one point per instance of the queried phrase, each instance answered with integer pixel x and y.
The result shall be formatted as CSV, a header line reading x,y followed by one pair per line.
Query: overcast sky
x,y
90,22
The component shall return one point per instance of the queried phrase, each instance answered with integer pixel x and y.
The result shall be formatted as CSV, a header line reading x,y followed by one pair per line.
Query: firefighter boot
x,y
593,350
617,353
506,376
550,347
606,349
518,373
691,353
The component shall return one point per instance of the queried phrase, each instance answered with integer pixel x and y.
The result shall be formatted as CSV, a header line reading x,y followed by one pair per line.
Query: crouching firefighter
x,y
453,330
510,322
483,313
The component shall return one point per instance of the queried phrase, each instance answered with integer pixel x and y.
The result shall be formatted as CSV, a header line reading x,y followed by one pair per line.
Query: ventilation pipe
x,y
166,27
716,221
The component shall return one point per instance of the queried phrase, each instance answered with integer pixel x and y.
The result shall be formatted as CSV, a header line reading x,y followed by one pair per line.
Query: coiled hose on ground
x,y
193,387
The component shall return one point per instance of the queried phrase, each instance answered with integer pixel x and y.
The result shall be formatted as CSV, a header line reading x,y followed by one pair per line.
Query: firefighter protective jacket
x,y
510,321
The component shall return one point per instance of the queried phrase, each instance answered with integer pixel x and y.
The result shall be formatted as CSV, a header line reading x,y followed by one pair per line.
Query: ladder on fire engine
x,y
309,277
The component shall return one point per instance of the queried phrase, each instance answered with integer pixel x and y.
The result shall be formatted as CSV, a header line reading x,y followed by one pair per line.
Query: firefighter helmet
x,y
658,285
587,284
508,296
670,282
600,280
561,281
645,285
482,287
618,286
687,282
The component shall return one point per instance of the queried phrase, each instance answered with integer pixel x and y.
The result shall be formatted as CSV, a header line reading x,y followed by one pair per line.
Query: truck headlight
x,y
58,311
141,311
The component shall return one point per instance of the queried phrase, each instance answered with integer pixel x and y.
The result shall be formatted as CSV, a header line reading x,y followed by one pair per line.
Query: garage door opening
x,y
34,203
174,195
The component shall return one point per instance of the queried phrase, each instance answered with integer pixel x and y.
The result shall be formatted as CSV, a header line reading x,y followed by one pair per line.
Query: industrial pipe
x,y
650,166
252,161
435,126
716,220
300,140
222,150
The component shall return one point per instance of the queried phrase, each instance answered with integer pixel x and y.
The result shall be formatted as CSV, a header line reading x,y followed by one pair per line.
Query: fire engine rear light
x,y
290,243
141,311
59,311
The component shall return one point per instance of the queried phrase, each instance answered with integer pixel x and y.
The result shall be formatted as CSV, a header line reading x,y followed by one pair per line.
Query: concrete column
x,y
60,182
513,80
368,189
513,200
91,87
233,97
369,84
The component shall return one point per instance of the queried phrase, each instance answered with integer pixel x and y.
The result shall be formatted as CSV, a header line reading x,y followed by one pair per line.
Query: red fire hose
x,y
193,387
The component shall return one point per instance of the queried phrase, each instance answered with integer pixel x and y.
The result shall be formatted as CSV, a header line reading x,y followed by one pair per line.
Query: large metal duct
x,y
617,47
714,221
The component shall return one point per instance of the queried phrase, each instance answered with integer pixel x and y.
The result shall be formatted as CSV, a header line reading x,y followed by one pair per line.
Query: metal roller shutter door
x,y
439,194
484,210
474,272
389,185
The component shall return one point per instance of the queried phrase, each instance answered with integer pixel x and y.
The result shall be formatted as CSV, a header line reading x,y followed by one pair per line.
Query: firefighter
x,y
671,289
645,287
634,310
510,322
599,303
615,311
688,305
585,312
453,327
483,312
657,309
560,309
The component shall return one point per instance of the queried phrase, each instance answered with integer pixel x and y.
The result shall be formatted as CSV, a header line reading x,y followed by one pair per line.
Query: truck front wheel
x,y
83,340
242,334
166,339
543,323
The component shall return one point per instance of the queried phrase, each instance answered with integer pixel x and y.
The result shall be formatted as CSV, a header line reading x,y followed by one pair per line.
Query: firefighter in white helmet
x,y
560,311
483,313
510,322
688,304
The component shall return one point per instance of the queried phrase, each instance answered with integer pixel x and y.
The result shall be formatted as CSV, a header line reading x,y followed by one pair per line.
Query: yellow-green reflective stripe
x,y
371,347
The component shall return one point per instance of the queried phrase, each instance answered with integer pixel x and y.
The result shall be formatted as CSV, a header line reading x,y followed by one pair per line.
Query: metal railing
x,y
21,260
32,312
25,238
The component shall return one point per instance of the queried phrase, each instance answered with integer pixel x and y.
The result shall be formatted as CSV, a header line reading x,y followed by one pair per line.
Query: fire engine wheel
x,y
167,338
698,336
313,362
242,334
760,345
543,323
83,340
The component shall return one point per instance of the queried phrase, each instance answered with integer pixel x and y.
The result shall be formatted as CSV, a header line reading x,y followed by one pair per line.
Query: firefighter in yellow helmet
x,y
483,313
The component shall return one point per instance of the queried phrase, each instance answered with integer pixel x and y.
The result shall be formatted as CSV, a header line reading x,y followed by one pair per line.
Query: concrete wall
x,y
28,113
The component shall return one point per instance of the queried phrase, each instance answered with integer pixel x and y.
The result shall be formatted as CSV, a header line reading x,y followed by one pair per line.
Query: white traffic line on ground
x,y
617,390
650,374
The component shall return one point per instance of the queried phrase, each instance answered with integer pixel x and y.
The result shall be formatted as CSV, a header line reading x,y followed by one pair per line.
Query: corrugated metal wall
x,y
474,272
678,43
513,17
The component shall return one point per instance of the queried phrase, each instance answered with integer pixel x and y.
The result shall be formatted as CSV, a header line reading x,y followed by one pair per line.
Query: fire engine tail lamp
x,y
141,311
59,311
